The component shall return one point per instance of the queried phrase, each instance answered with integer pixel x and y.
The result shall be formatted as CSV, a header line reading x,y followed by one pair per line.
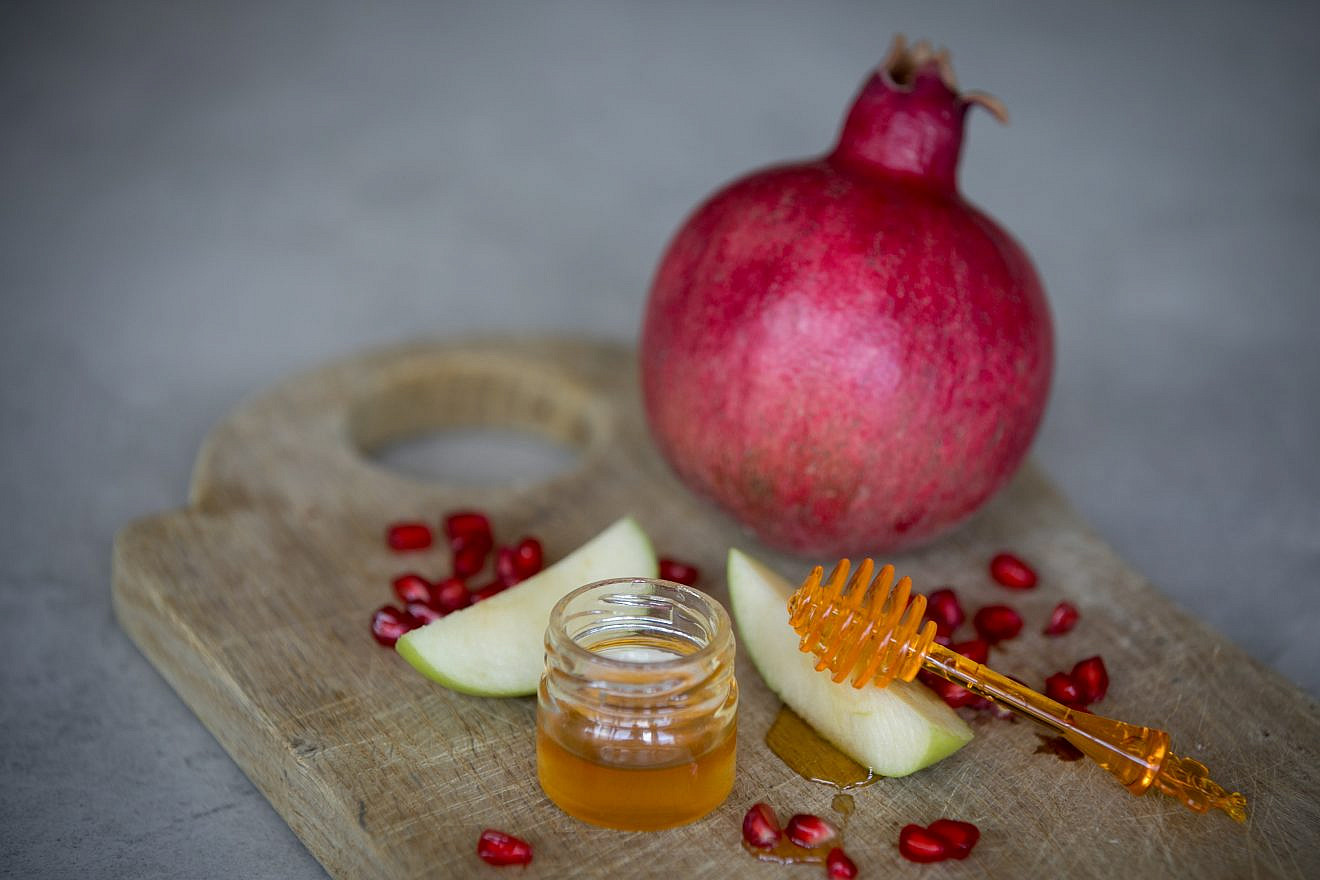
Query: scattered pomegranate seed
x,y
809,831
425,612
919,845
1011,572
491,589
976,650
408,536
761,827
1061,687
1062,619
450,595
960,836
527,558
943,607
839,866
412,588
467,523
1092,679
470,554
995,623
388,623
679,572
498,848
506,569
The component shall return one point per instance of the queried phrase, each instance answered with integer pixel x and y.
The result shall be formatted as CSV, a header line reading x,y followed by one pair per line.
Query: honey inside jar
x,y
636,716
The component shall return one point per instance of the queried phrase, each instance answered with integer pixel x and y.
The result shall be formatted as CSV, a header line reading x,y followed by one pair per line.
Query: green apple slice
x,y
496,648
895,730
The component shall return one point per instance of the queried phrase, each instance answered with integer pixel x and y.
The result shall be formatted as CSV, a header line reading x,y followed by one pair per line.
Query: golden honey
x,y
636,713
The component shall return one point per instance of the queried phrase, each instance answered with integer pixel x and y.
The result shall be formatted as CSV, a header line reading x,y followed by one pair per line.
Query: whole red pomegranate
x,y
843,353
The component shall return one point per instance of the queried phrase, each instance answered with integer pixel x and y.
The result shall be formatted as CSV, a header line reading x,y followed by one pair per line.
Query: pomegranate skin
x,y
843,353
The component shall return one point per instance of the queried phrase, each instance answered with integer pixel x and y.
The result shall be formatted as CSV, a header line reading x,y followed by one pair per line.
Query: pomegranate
x,y
412,587
1011,572
960,836
388,623
842,352
1062,619
838,866
996,623
405,536
1092,679
1061,687
919,845
679,572
760,827
943,607
808,831
498,848
976,650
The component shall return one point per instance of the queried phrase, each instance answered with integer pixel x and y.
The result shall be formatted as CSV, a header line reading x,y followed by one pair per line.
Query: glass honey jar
x,y
637,710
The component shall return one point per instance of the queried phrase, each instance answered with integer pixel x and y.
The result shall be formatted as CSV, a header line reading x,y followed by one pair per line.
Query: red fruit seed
x,y
389,623
425,612
1092,679
408,536
943,607
960,836
995,623
411,588
1062,619
470,552
976,650
839,866
919,845
1061,687
451,594
809,831
761,827
527,558
679,572
498,848
506,570
1012,572
955,695
468,523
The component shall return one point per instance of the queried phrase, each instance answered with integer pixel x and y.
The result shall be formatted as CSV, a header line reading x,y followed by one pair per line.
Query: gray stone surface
x,y
197,199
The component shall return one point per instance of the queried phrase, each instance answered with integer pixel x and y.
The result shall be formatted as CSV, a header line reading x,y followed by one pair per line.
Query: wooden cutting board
x,y
253,601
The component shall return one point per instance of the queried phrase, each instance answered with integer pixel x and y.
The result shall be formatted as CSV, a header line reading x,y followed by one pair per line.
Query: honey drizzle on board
x,y
813,757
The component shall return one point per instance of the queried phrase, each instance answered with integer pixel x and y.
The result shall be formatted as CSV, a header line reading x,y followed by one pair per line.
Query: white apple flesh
x,y
496,648
894,730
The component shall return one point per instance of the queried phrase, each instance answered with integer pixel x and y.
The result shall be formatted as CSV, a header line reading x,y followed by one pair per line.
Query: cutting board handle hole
x,y
469,425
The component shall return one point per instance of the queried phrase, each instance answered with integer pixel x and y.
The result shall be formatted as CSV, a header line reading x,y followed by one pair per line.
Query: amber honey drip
x,y
811,756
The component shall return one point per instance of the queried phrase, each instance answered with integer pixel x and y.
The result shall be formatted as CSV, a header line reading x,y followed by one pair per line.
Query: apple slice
x,y
496,648
895,730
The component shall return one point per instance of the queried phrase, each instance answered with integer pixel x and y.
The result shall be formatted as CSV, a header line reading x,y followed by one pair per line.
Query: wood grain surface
x,y
253,602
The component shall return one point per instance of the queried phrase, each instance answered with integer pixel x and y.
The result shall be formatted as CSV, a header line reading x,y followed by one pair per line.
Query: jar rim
x,y
719,640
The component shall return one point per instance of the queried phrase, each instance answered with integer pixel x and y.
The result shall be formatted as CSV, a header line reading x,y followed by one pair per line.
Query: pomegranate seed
x,y
491,589
388,623
761,827
976,650
425,612
919,845
506,569
451,594
408,536
1012,572
527,558
960,836
468,523
809,831
839,866
943,607
469,554
1092,679
1062,618
679,572
1061,687
412,588
498,848
995,623
955,695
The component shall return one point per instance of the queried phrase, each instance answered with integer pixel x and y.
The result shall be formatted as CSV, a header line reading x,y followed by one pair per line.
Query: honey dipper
x,y
872,631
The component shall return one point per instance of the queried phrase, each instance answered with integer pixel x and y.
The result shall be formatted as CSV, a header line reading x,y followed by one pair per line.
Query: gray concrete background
x,y
197,200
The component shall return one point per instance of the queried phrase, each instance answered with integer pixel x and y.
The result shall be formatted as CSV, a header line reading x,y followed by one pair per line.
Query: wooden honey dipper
x,y
872,631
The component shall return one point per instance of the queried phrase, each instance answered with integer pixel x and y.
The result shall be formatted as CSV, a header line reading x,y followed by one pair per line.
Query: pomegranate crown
x,y
908,118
